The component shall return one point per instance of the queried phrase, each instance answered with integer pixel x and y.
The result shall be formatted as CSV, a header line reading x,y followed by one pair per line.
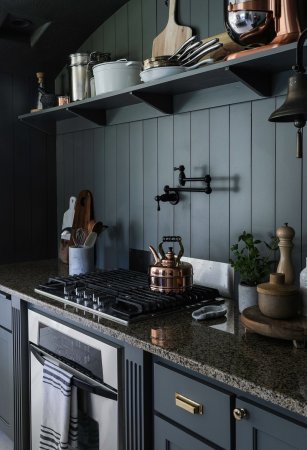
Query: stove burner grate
x,y
121,295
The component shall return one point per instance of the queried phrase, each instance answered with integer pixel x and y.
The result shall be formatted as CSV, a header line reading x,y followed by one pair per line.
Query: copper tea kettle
x,y
169,274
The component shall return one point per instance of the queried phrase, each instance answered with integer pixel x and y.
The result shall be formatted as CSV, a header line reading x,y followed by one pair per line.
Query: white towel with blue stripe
x,y
59,426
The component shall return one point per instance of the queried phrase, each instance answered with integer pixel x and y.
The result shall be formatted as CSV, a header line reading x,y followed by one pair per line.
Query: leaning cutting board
x,y
173,35
84,213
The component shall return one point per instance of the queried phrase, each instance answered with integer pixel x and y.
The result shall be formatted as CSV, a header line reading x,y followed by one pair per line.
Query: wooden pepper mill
x,y
285,265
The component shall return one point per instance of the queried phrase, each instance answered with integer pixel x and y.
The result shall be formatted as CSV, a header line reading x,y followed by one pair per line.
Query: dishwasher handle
x,y
97,388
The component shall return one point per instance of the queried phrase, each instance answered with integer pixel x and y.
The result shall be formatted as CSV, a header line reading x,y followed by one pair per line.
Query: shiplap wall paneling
x,y
219,170
121,32
263,169
99,191
165,174
51,207
22,169
216,17
109,41
182,155
288,184
200,18
150,182
122,195
7,169
83,160
200,202
136,185
110,237
60,182
38,190
65,175
135,30
240,168
149,15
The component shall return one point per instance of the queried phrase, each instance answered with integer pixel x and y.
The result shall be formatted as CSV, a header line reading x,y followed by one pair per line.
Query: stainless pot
x,y
80,71
169,274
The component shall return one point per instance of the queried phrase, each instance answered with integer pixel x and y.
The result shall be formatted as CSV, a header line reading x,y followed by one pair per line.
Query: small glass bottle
x,y
303,289
41,84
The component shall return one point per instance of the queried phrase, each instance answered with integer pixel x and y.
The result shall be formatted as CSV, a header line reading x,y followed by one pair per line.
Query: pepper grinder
x,y
285,265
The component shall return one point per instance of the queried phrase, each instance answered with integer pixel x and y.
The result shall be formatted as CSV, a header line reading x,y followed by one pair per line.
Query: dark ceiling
x,y
38,35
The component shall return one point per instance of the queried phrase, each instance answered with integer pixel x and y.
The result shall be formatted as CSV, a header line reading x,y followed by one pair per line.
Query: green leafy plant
x,y
252,266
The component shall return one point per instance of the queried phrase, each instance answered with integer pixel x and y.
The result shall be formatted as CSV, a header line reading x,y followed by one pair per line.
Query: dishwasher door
x,y
91,362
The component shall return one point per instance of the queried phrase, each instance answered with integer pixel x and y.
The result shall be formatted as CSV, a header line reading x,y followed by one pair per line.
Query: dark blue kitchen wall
x,y
257,182
27,177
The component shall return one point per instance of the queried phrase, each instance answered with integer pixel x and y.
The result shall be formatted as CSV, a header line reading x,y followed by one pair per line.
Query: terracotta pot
x,y
277,299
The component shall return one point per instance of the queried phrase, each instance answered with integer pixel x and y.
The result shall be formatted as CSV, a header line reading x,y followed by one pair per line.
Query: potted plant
x,y
252,266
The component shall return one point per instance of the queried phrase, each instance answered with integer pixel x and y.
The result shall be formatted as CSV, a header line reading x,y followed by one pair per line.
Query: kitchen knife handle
x,y
188,404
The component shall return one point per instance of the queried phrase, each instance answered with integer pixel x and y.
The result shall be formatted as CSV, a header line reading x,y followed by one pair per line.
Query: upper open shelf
x,y
257,71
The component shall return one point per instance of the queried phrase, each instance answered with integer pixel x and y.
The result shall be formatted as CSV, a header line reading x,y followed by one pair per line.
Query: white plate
x,y
160,72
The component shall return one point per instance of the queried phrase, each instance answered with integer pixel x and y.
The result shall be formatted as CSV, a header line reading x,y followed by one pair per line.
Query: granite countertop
x,y
270,369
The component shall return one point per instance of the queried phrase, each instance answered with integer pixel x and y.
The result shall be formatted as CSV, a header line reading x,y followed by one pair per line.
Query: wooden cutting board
x,y
173,35
291,329
84,212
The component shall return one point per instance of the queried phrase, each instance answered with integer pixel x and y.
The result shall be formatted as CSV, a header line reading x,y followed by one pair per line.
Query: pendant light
x,y
294,108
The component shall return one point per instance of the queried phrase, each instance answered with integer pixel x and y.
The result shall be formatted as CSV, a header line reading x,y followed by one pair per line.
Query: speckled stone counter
x,y
270,369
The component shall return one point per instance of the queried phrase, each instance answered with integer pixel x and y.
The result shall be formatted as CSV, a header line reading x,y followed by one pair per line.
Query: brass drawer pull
x,y
240,413
188,405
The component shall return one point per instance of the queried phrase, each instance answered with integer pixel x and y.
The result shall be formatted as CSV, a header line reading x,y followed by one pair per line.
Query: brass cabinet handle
x,y
240,413
188,404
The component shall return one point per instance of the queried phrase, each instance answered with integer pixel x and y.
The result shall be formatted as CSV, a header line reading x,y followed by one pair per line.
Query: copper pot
x,y
169,274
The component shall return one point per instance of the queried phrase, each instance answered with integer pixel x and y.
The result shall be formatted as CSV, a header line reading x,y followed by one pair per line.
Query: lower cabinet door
x,y
260,429
169,437
6,384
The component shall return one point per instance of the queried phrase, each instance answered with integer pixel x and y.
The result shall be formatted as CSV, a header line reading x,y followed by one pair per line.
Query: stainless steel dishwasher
x,y
95,366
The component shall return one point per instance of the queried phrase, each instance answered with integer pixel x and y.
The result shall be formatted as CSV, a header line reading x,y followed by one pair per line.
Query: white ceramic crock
x,y
115,75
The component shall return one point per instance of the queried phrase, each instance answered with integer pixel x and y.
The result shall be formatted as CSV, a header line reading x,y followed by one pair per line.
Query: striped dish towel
x,y
59,427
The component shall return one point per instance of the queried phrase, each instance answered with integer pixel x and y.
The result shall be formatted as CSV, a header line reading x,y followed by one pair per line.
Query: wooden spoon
x,y
97,227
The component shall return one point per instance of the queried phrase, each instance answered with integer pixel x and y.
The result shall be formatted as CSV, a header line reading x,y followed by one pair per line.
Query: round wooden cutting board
x,y
291,329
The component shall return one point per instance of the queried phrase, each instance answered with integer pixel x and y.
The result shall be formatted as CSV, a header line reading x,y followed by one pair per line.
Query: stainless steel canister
x,y
79,76
80,68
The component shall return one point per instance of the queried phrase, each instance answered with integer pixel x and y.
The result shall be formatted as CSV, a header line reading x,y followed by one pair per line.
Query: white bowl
x,y
160,72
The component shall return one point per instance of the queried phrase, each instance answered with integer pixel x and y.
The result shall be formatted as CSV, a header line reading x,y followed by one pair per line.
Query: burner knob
x,y
95,306
79,300
87,302
79,291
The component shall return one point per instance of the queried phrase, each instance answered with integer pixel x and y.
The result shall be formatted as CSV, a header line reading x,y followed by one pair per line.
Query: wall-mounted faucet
x,y
171,194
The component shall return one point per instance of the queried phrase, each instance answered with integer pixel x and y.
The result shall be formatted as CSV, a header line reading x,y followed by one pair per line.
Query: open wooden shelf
x,y
257,71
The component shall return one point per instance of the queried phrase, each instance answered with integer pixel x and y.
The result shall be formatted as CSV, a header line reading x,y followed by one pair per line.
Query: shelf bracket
x,y
163,103
257,81
97,116
47,127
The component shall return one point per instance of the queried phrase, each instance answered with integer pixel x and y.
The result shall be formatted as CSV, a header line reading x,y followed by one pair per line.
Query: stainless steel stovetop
x,y
122,296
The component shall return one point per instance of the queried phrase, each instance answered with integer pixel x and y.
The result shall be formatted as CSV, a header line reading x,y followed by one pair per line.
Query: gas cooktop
x,y
122,296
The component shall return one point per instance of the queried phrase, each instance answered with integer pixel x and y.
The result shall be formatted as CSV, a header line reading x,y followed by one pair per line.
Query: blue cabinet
x,y
6,368
200,413
191,413
170,437
260,429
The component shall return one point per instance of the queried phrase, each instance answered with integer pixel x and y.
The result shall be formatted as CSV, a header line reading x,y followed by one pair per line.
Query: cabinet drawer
x,y
5,311
213,423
